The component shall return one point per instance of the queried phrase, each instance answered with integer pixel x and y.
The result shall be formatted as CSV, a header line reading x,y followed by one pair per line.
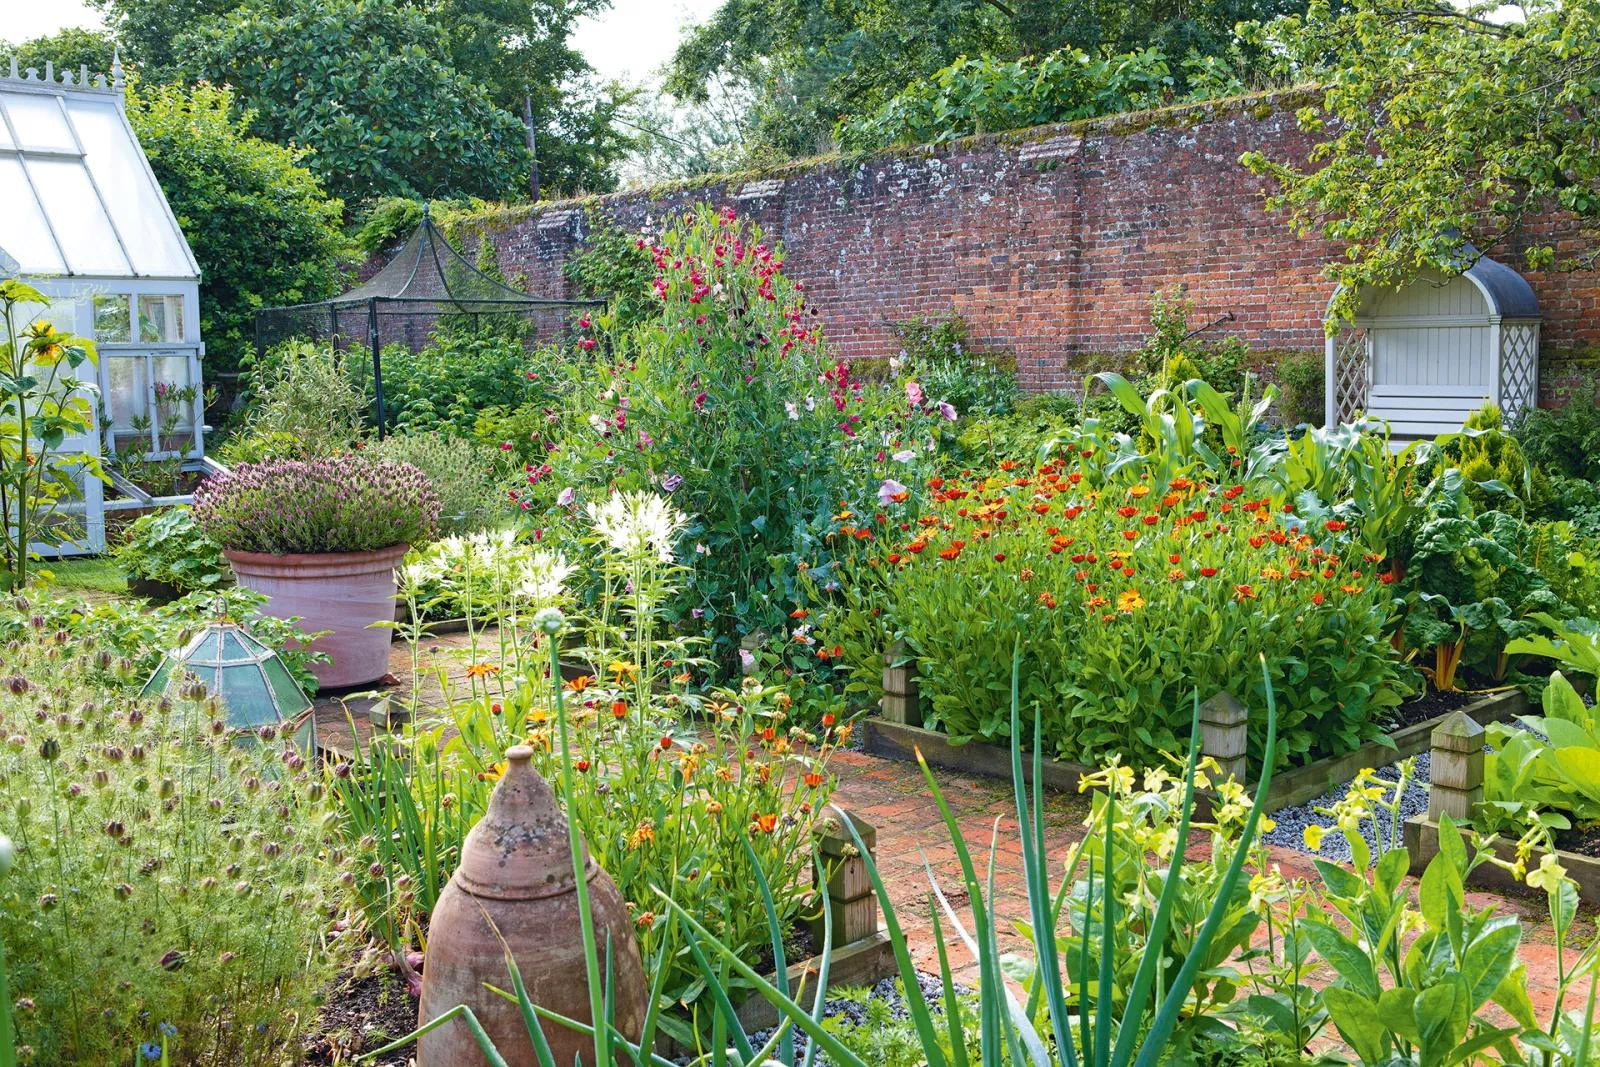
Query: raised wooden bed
x,y
1294,786
1422,841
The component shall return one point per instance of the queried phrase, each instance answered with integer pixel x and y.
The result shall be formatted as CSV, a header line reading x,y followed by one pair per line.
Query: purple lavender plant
x,y
343,503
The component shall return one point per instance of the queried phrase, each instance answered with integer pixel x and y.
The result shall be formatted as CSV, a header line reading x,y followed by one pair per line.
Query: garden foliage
x,y
261,227
166,546
170,887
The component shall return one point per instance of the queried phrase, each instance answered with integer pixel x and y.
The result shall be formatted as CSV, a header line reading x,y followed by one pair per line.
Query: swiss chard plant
x,y
1548,768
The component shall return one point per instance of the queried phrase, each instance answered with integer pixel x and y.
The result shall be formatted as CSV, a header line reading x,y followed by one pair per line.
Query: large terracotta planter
x,y
345,592
515,891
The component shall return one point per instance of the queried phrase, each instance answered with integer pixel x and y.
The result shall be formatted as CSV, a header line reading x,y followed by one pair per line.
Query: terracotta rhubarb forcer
x,y
515,883
345,592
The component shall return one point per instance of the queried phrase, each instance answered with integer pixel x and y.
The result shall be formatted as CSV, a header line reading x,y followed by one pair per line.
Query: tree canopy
x,y
396,97
260,225
1441,132
68,49
808,65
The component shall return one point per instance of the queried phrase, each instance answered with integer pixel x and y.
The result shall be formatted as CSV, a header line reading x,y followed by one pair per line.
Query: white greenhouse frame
x,y
1426,356
85,222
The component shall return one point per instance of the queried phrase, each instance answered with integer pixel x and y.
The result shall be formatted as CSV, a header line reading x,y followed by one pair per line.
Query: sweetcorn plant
x,y
1126,599
169,885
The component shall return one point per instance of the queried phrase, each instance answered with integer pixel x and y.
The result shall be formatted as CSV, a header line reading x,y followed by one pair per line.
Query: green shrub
x,y
303,404
343,503
468,477
1499,475
264,232
1565,441
615,266
170,885
1569,560
166,546
939,354
1024,432
724,397
1302,385
448,382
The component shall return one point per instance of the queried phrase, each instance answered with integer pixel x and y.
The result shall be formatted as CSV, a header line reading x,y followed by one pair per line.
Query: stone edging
x,y
1422,841
1296,786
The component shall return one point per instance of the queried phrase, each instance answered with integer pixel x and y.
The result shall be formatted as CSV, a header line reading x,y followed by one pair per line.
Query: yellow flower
x,y
621,669
645,831
1313,837
1549,875
482,670
1129,600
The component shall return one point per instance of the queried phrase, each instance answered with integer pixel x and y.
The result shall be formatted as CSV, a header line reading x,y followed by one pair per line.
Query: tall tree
x,y
362,83
1441,131
812,64
414,84
68,49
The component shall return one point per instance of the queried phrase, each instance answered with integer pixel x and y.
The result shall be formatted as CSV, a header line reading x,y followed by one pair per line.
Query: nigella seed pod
x,y
265,733
135,716
215,804
48,901
18,684
21,604
208,883
375,870
232,870
218,727
341,771
17,742
136,753
271,849
114,829
168,788
171,960
102,660
114,753
37,622
101,778
252,784
122,890
347,879
50,749
62,637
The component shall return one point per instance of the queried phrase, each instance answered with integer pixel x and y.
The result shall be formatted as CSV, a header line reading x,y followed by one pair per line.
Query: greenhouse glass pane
x,y
160,319
291,699
131,195
249,702
158,680
76,217
24,234
111,321
129,397
39,122
232,650
206,651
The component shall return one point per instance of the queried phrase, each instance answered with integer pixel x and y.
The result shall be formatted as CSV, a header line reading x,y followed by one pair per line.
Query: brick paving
x,y
912,837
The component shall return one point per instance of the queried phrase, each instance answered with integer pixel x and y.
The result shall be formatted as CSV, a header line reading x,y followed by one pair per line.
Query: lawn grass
x,y
89,575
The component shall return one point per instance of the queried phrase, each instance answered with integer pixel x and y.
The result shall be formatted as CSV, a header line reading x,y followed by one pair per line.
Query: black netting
x,y
428,286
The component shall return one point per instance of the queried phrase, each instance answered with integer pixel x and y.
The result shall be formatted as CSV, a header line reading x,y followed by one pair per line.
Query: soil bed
x,y
1584,841
362,1014
1429,705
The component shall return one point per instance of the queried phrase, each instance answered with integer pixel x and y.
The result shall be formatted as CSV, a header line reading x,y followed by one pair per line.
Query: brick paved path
x,y
893,797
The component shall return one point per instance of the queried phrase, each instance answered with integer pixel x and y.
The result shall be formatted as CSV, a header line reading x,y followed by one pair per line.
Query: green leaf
x,y
1356,1017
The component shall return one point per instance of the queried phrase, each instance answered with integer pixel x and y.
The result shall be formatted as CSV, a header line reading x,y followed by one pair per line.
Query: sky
x,y
629,41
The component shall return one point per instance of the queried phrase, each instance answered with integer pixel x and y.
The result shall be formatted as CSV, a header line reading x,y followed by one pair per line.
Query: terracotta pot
x,y
515,882
345,592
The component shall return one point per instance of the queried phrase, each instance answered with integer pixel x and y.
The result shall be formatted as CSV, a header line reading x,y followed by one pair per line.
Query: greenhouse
x,y
87,225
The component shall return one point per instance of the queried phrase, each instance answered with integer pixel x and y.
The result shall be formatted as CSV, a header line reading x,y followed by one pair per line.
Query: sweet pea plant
x,y
724,397
1127,595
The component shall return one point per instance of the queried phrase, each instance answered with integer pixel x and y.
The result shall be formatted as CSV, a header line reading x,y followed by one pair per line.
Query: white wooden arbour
x,y
83,220
1428,355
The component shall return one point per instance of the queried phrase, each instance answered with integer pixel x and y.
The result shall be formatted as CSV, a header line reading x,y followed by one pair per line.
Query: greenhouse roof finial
x,y
117,78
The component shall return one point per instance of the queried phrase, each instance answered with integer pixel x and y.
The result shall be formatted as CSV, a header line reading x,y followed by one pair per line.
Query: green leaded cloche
x,y
247,676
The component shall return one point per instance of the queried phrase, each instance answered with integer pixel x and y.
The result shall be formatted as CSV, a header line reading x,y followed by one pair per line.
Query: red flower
x,y
1334,525
1244,592
619,709
1387,577
828,719
1208,572
666,742
1317,598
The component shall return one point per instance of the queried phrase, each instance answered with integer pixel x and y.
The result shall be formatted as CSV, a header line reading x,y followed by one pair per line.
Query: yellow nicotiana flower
x,y
1313,837
1549,875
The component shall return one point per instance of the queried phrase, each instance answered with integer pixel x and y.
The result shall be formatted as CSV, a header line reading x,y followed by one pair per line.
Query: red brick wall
x,y
1048,243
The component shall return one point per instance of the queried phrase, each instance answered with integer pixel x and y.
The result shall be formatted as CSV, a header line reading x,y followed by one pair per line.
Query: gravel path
x,y
1292,821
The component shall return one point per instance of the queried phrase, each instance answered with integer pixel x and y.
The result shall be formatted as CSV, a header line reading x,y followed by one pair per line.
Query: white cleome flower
x,y
638,523
542,577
